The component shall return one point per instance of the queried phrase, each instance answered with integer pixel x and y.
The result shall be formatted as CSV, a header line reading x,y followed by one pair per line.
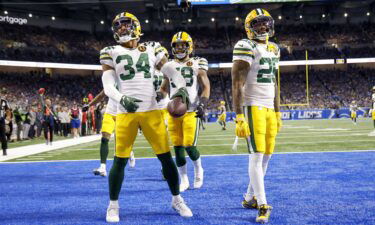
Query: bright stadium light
x,y
6,12
146,21
102,22
300,16
324,15
280,17
213,19
30,15
53,18
189,20
167,21
368,13
345,15
237,18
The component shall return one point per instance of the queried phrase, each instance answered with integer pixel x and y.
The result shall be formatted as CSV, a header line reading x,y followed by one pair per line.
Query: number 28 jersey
x,y
189,71
259,88
135,70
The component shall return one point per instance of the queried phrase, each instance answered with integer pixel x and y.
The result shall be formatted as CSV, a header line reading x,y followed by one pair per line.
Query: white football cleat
x,y
100,171
198,178
371,134
184,185
132,160
180,206
113,214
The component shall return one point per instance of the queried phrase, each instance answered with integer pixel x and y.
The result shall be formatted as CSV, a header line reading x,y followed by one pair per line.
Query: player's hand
x,y
183,93
279,121
85,107
242,127
201,107
159,96
130,103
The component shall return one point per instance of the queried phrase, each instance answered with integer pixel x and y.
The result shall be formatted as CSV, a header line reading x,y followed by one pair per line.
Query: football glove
x,y
159,96
85,107
183,93
242,127
201,107
130,103
279,121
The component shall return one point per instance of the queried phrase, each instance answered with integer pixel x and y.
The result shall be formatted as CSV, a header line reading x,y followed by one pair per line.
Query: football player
x,y
130,65
108,126
222,115
353,112
184,130
372,111
256,103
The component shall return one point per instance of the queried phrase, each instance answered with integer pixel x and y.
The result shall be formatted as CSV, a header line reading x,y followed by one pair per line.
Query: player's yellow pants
x,y
108,123
153,128
184,130
222,117
164,114
353,114
263,127
373,114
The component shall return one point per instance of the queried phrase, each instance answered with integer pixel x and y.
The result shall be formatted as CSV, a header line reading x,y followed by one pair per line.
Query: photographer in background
x,y
3,107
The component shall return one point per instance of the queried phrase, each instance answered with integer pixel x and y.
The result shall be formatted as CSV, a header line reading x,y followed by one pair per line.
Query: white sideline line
x,y
218,155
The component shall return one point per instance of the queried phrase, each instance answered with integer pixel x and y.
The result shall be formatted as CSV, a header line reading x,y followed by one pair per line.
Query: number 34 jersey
x,y
259,88
189,71
134,70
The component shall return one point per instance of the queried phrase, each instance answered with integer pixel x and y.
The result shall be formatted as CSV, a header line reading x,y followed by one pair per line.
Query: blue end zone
x,y
319,188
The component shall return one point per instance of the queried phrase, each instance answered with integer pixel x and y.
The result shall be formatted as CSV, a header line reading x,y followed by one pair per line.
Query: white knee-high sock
x,y
266,159
250,190
257,177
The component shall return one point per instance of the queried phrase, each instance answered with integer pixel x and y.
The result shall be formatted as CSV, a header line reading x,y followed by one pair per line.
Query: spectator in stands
x,y
75,121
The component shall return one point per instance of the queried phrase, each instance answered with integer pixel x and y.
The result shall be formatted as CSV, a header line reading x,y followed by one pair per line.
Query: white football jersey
x,y
189,71
158,80
135,70
111,108
353,107
259,88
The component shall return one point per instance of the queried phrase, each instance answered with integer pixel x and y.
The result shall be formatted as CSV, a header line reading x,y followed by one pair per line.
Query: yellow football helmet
x,y
222,102
182,37
254,23
373,88
132,27
165,51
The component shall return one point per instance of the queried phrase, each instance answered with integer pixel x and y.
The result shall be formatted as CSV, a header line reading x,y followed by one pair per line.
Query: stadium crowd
x,y
69,46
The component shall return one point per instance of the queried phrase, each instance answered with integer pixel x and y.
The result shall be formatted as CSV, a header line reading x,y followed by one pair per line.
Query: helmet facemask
x,y
123,35
180,49
262,27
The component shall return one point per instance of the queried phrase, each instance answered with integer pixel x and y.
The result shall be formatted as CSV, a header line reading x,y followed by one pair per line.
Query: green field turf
x,y
296,136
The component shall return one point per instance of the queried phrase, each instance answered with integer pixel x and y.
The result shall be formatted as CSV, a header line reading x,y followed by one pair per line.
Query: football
x,y
41,91
176,107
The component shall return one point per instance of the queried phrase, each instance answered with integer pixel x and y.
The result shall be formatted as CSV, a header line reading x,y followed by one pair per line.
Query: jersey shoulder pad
x,y
244,47
202,63
106,55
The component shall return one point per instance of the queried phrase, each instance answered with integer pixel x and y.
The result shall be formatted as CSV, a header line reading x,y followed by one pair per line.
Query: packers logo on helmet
x,y
222,102
259,25
132,27
181,51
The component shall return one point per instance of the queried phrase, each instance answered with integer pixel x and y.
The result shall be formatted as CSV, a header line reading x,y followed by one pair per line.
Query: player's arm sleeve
x,y
106,57
203,64
174,76
244,51
109,83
